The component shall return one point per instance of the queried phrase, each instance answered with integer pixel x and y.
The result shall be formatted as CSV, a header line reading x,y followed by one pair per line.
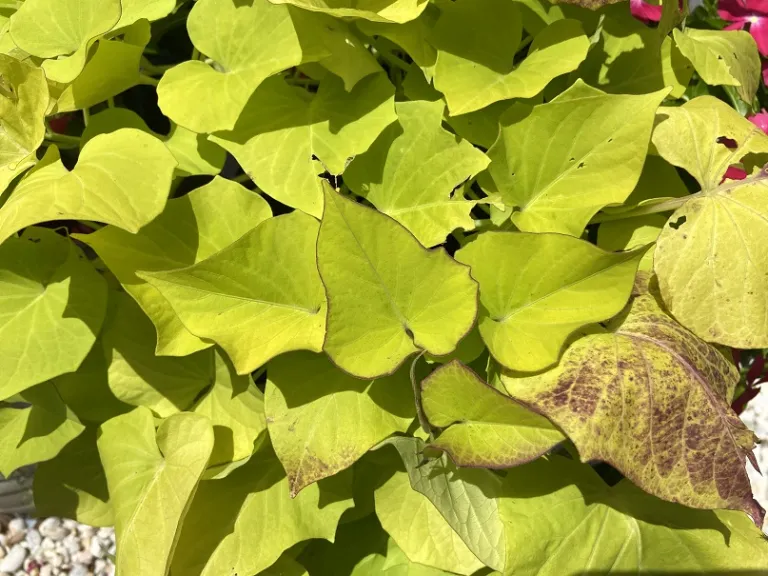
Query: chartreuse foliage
x,y
382,287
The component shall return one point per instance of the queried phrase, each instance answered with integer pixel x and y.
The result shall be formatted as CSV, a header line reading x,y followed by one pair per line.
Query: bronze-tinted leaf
x,y
651,399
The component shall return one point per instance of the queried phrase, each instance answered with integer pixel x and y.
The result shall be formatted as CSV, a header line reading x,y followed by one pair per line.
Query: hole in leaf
x,y
677,223
572,160
581,165
729,143
409,332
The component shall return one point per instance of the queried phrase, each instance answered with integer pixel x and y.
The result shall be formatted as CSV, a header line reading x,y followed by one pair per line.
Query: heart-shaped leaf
x,y
388,296
652,400
710,259
266,283
122,178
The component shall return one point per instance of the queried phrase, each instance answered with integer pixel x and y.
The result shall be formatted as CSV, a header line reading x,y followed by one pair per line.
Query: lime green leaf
x,y
469,349
394,563
630,234
558,179
322,420
398,11
86,391
537,14
723,57
466,498
561,518
284,129
480,127
659,179
652,400
348,57
477,42
235,407
411,170
35,433
135,10
712,268
362,548
194,153
62,30
136,376
73,484
537,289
51,309
9,174
23,102
419,529
190,229
147,473
122,178
112,69
285,566
388,297
632,58
243,523
265,285
483,428
203,98
413,36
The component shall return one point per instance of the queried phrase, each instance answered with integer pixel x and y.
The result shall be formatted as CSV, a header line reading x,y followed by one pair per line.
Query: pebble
x,y
14,559
54,547
33,539
755,416
78,570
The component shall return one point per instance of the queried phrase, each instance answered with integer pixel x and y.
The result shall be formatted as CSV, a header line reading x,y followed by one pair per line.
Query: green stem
x,y
674,203
110,102
666,206
195,54
256,375
242,178
86,116
152,70
527,40
390,58
417,399
62,138
148,80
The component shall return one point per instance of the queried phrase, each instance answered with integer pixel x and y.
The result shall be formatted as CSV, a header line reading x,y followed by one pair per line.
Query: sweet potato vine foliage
x,y
398,287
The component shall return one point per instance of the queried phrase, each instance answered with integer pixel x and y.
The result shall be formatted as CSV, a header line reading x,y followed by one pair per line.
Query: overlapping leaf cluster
x,y
471,253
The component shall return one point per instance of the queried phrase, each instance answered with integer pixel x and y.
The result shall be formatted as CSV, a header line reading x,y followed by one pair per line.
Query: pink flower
x,y
760,120
747,12
734,173
644,11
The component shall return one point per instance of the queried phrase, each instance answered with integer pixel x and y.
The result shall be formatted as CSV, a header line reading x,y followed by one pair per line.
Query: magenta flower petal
x,y
734,173
644,11
737,25
758,27
757,6
760,120
732,10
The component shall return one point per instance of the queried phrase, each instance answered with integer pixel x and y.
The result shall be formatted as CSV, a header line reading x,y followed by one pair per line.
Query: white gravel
x,y
755,416
54,547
